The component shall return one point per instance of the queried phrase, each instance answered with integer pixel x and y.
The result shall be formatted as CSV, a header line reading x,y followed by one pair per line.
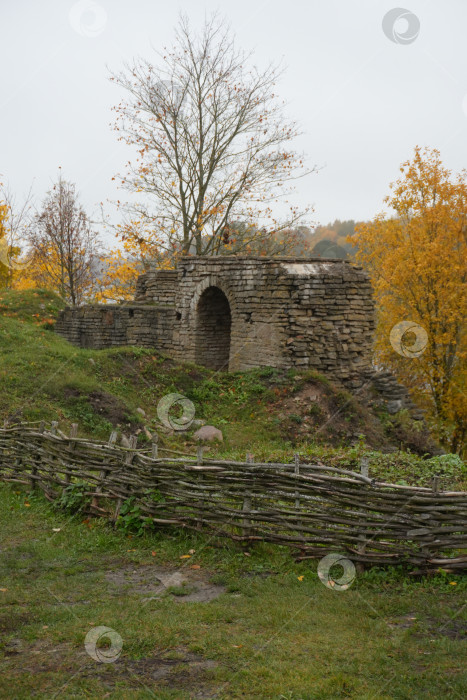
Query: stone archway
x,y
213,325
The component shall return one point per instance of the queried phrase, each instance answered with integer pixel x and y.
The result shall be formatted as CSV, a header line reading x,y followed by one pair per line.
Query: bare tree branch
x,y
64,245
213,143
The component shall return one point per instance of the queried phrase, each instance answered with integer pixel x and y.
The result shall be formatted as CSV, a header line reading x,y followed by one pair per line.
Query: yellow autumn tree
x,y
15,216
3,243
417,263
119,268
10,268
116,280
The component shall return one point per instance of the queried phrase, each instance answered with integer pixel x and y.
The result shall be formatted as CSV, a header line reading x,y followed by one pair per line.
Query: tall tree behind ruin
x,y
417,263
64,245
214,145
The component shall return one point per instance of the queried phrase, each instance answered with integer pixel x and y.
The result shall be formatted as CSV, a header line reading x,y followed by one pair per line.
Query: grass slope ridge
x,y
267,412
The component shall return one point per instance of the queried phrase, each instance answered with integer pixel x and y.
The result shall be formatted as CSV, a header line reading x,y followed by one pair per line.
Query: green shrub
x,y
131,519
73,498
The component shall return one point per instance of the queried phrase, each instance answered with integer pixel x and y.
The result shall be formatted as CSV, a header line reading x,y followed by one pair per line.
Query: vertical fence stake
x,y
364,466
364,471
154,447
246,507
37,461
199,463
128,460
103,473
296,458
199,455
72,445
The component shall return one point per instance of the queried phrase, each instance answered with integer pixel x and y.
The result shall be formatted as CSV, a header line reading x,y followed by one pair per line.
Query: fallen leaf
x,y
3,590
300,578
28,505
56,529
237,646
45,627
185,556
247,554
153,554
131,550
453,583
191,551
195,566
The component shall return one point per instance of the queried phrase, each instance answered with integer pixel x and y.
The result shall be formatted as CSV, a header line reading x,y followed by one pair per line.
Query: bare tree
x,y
64,245
213,143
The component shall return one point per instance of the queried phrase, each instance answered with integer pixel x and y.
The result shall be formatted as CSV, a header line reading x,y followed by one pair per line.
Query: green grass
x,y
43,377
275,632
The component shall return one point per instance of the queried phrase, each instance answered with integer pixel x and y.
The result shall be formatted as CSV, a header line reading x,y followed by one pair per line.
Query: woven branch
x,y
314,508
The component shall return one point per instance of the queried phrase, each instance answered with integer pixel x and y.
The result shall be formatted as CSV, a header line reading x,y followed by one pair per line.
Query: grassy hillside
x,y
267,412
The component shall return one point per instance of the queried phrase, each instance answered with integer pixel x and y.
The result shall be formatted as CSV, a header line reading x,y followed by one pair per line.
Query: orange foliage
x,y
417,263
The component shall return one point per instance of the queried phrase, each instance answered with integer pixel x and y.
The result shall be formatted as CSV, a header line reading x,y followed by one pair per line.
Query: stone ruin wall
x,y
237,313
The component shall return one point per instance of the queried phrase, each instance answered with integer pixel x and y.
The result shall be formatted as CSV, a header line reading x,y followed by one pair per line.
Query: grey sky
x,y
362,100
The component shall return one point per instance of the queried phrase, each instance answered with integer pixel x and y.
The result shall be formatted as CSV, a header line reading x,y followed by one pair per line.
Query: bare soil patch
x,y
336,417
184,585
430,627
176,669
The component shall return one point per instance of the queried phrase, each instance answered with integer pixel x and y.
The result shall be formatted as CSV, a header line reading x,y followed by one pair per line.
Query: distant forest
x,y
328,241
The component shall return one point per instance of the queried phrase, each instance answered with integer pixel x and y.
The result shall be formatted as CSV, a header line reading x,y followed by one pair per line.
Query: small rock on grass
x,y
208,433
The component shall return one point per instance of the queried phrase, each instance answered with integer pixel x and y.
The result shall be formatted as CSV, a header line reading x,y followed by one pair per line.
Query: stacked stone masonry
x,y
235,313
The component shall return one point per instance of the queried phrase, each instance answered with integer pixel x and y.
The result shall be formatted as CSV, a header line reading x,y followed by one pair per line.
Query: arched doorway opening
x,y
213,323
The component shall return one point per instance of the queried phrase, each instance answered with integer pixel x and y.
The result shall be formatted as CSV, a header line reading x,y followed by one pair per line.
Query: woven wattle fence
x,y
313,508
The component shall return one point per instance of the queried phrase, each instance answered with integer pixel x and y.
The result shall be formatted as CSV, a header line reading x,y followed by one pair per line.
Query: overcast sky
x,y
363,100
